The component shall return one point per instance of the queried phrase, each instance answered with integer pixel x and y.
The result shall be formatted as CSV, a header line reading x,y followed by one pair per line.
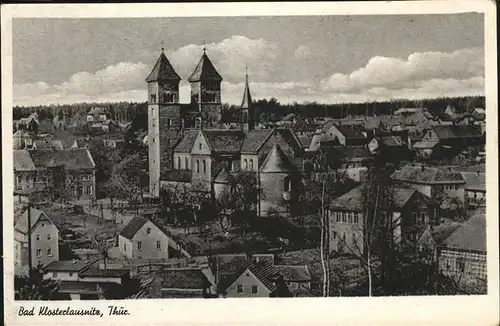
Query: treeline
x,y
120,111
273,110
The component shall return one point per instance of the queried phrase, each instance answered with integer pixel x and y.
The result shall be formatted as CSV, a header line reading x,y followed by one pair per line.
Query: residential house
x,y
411,212
181,283
260,279
341,135
475,188
288,121
22,139
141,238
431,181
455,138
462,256
31,123
97,114
391,146
44,240
297,278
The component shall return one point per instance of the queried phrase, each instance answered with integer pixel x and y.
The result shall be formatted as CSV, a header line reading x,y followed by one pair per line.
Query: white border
x,y
477,310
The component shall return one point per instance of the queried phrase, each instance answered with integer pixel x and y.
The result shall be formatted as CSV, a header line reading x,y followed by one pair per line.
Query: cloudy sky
x,y
328,59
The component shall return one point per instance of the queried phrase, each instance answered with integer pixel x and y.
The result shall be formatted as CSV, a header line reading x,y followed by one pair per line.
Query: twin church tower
x,y
168,118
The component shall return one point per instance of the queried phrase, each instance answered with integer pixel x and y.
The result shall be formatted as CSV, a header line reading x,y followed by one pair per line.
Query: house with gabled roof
x,y
475,188
462,256
432,181
44,240
255,280
411,211
181,283
143,239
337,134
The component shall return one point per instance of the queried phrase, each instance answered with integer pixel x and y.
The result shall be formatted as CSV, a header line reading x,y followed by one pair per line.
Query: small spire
x,y
162,47
246,73
204,48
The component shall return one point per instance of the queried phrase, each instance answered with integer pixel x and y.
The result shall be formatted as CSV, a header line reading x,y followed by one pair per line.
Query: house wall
x,y
126,247
62,275
182,157
464,266
149,243
333,133
272,185
247,279
44,229
346,237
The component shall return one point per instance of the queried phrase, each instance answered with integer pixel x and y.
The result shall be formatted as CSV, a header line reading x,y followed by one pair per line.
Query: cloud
x,y
396,73
230,57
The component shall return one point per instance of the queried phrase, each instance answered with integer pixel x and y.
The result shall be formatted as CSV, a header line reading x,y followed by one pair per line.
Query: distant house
x,y
141,238
352,160
44,241
97,114
350,135
181,283
288,121
31,123
455,136
113,143
392,145
22,139
71,170
260,279
413,116
475,188
462,256
412,213
432,181
297,278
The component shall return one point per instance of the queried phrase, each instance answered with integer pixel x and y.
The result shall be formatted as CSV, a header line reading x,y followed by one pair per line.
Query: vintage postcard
x,y
250,163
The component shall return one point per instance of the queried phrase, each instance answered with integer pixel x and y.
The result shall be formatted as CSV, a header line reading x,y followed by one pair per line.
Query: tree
x,y
126,177
35,287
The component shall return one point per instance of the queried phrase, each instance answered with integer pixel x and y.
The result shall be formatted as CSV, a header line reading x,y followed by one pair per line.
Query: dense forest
x,y
265,109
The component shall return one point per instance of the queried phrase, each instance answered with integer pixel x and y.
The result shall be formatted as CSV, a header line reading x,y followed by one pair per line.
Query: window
x,y
334,235
148,230
422,217
204,167
124,247
251,164
287,185
354,239
356,218
49,252
239,288
245,164
344,217
460,265
338,216
38,252
349,218
200,146
158,245
415,216
89,190
186,165
197,166
38,237
153,139
43,225
178,163
139,245
255,289
48,236
153,98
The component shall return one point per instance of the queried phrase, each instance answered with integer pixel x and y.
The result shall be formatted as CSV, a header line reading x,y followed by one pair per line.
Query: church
x,y
189,144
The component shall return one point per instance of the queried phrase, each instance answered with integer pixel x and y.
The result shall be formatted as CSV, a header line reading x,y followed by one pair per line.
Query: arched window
x,y
165,98
287,184
197,166
200,146
186,163
251,164
245,164
178,163
204,167
169,123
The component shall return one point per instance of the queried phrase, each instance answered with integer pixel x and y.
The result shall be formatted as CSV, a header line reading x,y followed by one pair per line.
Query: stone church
x,y
189,145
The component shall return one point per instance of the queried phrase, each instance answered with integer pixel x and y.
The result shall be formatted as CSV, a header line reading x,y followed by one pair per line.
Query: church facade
x,y
188,143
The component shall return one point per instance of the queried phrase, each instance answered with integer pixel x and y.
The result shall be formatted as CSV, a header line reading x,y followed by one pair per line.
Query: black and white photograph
x,y
248,156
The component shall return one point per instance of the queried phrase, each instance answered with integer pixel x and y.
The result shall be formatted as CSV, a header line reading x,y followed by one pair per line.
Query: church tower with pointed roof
x,y
206,93
247,111
164,119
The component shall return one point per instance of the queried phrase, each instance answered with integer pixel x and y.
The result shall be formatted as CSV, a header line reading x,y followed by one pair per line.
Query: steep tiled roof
x,y
72,158
265,272
475,181
22,161
457,131
427,175
276,161
184,279
294,273
353,200
163,71
290,138
132,227
255,139
205,70
68,265
186,144
224,141
471,235
305,141
22,222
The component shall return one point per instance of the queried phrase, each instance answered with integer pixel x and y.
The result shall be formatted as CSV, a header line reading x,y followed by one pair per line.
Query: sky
x,y
327,59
